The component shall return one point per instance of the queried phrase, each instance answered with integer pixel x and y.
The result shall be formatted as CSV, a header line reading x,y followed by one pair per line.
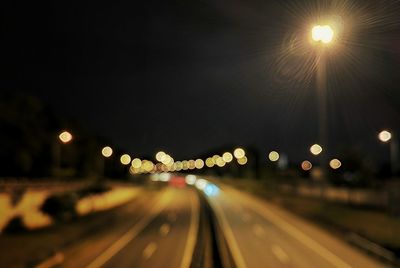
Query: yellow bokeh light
x,y
242,161
107,151
179,165
65,137
220,162
210,162
306,165
160,155
215,157
147,165
335,163
125,159
185,165
191,164
316,149
136,163
199,163
322,33
227,157
239,153
273,156
385,136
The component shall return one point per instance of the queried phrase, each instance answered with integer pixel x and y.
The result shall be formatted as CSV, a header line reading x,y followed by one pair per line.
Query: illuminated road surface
x,y
161,234
262,235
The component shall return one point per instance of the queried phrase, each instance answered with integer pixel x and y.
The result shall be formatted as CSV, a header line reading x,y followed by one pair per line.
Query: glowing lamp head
x,y
65,137
385,136
107,151
125,159
316,149
322,33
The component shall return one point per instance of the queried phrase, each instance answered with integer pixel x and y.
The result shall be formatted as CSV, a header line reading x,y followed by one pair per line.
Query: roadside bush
x,y
61,207
15,225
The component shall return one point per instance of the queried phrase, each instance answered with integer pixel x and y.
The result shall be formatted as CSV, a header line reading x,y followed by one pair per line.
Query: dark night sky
x,y
190,76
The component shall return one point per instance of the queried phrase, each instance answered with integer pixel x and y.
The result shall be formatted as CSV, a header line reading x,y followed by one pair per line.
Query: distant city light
x,y
210,162
147,165
185,165
191,164
273,156
306,165
227,157
316,149
385,136
107,151
199,163
242,161
65,137
322,33
220,162
159,156
125,159
136,163
335,163
239,153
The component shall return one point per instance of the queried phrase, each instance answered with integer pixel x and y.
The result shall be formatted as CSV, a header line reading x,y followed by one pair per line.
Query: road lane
x,y
264,238
160,246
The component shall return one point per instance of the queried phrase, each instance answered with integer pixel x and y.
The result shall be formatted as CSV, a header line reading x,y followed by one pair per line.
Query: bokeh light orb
x,y
306,165
316,149
227,157
159,156
136,163
242,161
125,159
273,156
107,151
220,162
210,162
385,136
239,153
65,137
335,163
199,163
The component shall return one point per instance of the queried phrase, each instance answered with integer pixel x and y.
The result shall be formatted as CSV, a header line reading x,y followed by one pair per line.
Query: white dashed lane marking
x,y
164,229
280,254
149,250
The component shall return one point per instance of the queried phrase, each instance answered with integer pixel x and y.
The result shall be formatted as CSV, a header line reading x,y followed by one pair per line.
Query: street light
x,y
316,149
322,34
386,136
107,151
65,137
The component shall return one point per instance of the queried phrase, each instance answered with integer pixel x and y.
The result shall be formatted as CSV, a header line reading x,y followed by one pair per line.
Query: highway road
x,y
162,231
262,235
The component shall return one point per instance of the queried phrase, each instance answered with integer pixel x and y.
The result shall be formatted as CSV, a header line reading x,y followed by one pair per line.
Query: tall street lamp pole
x,y
387,137
322,35
63,138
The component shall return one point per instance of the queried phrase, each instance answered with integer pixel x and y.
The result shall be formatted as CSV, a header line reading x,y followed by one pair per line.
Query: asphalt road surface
x,y
162,231
262,235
